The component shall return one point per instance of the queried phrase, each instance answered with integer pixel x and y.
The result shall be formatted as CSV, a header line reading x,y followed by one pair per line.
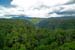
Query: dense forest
x,y
58,22
51,34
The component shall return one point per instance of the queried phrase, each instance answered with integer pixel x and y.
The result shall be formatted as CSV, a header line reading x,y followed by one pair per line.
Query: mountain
x,y
31,19
58,23
20,34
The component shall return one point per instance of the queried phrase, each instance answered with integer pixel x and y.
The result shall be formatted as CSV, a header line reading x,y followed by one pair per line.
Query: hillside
x,y
58,22
19,34
33,20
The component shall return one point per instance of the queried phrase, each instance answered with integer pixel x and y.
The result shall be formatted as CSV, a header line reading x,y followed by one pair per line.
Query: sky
x,y
37,8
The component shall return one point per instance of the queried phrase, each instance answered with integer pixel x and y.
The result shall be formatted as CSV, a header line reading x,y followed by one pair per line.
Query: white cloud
x,y
4,12
54,15
36,8
70,7
30,3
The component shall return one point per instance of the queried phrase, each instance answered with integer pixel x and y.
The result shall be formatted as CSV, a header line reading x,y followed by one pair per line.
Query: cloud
x,y
5,12
67,10
32,3
38,8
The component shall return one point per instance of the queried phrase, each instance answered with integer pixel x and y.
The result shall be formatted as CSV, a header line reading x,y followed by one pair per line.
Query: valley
x,y
37,34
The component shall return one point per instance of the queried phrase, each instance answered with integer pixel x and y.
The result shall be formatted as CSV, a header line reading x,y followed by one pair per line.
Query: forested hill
x,y
32,20
58,23
19,34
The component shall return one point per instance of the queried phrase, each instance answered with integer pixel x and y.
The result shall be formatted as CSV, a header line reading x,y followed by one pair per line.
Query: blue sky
x,y
5,2
37,8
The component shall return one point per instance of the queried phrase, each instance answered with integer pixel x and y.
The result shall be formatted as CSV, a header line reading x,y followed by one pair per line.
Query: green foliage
x,y
58,23
23,35
36,20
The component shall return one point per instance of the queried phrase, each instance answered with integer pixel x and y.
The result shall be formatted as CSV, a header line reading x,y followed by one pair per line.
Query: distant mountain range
x,y
58,22
33,20
64,22
44,22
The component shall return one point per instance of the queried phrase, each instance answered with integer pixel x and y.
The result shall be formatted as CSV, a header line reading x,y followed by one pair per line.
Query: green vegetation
x,y
16,34
36,20
58,23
